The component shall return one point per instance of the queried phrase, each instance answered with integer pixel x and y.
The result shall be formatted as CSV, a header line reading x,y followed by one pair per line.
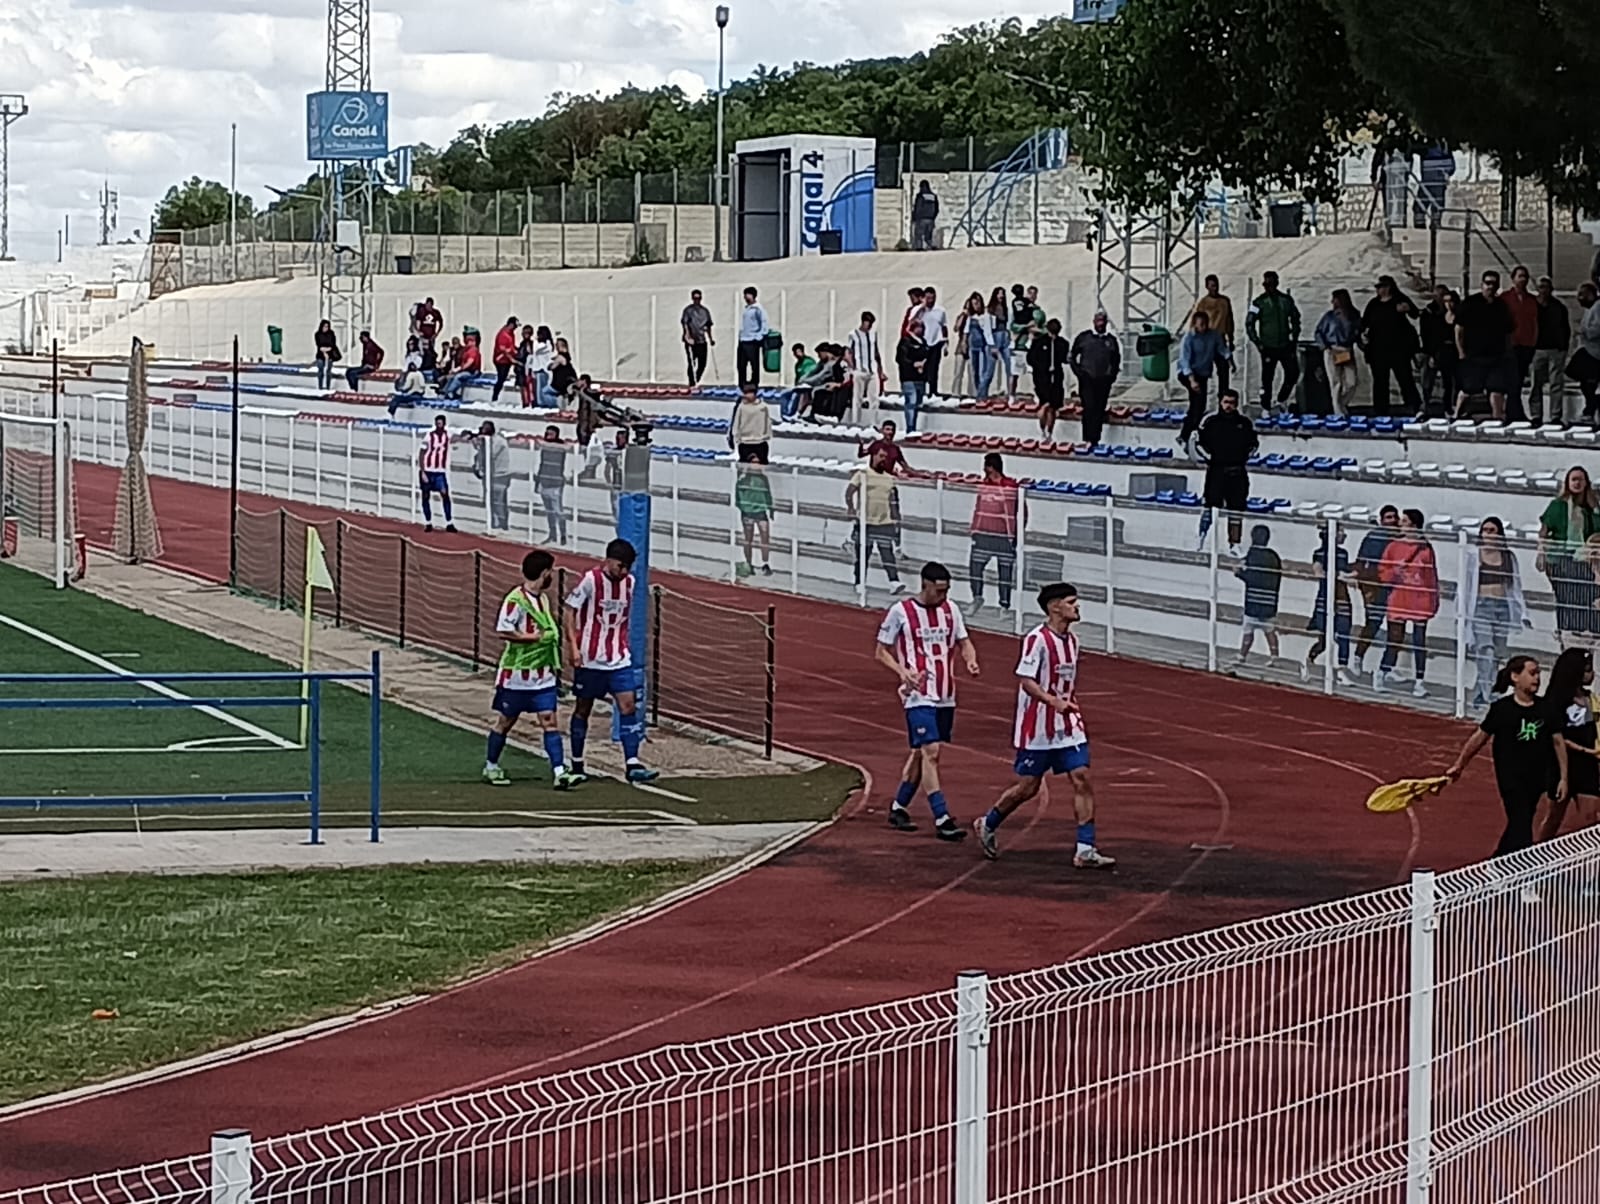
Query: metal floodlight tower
x,y
12,108
345,270
1156,258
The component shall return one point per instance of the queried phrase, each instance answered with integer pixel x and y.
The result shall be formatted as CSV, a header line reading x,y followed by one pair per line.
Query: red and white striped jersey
x,y
436,451
925,640
603,606
1050,661
515,672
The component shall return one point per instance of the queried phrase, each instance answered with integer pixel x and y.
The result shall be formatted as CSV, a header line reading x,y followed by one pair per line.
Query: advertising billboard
x,y
347,125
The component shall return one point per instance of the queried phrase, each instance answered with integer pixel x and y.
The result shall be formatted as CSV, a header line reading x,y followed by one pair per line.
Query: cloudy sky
x,y
142,94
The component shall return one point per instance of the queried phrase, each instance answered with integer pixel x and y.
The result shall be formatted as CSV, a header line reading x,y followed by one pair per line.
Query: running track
x,y
858,913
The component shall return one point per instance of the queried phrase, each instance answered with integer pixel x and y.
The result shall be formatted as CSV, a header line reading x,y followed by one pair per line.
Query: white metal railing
x,y
1162,588
1435,1041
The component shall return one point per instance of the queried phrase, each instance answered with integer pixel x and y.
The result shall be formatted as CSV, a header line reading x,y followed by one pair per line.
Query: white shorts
x,y
1258,626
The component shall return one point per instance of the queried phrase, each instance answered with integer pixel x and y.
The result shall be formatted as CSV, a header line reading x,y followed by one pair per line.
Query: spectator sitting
x,y
467,366
822,373
1262,575
409,389
445,364
831,397
885,446
371,361
413,354
804,366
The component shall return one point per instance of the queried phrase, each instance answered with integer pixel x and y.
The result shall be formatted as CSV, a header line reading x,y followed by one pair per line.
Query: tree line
x,y
1163,100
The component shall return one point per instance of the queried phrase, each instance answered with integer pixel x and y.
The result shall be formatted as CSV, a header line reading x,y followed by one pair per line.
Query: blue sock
x,y
427,510
580,736
994,819
632,733
497,745
904,795
1086,834
936,802
552,749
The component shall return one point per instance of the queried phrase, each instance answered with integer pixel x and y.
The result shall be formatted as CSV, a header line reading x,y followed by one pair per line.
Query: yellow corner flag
x,y
317,577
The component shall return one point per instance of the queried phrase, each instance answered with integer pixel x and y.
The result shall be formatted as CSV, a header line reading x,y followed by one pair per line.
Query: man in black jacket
x,y
1391,342
1549,358
924,215
1228,439
1095,359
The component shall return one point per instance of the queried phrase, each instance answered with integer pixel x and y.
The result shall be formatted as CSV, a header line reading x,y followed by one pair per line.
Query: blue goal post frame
x,y
312,683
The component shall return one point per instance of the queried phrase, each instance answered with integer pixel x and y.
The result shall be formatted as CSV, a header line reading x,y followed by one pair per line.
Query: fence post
x,y
772,674
338,572
861,543
400,623
1111,573
314,739
375,749
653,694
283,565
1419,1064
477,608
972,1087
1462,622
1019,573
1330,581
1211,596
232,1167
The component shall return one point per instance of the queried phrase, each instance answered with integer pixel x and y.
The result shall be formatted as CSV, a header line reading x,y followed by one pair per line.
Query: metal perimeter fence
x,y
1435,1041
709,666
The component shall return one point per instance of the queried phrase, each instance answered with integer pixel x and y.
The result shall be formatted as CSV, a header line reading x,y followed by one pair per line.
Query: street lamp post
x,y
722,159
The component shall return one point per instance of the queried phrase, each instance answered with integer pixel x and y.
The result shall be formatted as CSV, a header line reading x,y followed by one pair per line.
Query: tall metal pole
x,y
233,476
13,107
233,196
720,181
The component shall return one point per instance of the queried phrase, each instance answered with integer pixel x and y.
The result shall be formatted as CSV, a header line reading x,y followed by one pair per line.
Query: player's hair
x,y
536,564
622,552
1502,680
1051,593
934,571
1566,680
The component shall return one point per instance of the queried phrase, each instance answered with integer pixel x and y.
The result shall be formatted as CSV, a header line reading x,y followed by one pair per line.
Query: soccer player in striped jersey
x,y
433,467
597,644
1049,735
918,640
526,680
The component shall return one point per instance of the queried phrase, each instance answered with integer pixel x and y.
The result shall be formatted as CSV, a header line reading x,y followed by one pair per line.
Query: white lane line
x,y
155,687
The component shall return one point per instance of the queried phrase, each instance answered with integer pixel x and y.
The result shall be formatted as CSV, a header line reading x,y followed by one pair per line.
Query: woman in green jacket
x,y
1564,529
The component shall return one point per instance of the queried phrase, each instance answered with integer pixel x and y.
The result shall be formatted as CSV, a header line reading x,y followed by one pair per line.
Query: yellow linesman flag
x,y
316,561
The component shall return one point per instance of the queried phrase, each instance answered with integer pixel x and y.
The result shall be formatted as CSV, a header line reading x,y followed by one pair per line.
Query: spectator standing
x,y
864,359
563,373
751,429
491,464
935,334
468,364
911,358
540,358
885,445
1047,361
1369,580
913,312
1228,439
1338,331
504,355
371,361
1201,350
1218,309
993,531
1524,307
327,354
1584,367
524,379
1273,325
1096,360
1391,343
1409,570
1000,336
1565,528
1491,603
1027,321
1549,357
550,479
869,496
1572,703
698,336
426,321
752,498
1439,346
753,330
924,217
614,453
1486,363
966,372
1343,611
1262,576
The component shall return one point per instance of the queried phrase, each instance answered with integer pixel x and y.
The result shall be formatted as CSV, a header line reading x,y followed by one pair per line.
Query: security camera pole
x,y
12,108
722,158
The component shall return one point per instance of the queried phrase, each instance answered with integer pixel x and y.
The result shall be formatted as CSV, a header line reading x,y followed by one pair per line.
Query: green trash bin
x,y
1155,353
772,352
275,339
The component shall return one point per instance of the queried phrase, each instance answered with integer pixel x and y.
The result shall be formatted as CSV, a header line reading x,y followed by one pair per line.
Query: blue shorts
x,y
515,703
929,725
1036,762
597,683
435,482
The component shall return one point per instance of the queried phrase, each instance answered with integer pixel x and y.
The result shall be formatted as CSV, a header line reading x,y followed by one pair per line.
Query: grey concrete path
x,y
199,852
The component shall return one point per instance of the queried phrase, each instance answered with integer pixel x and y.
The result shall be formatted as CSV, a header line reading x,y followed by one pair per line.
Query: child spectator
x,y
1262,575
753,498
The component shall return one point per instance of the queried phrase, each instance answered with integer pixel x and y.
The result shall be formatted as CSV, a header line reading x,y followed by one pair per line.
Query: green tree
x,y
197,204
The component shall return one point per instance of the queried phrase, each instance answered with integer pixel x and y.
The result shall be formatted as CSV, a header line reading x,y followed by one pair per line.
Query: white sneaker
x,y
899,587
1344,677
1377,681
1305,671
1418,690
1091,858
987,838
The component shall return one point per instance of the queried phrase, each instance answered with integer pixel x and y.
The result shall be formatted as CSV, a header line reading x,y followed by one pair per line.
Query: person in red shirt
x,y
505,354
885,443
468,366
371,361
1524,307
994,531
426,321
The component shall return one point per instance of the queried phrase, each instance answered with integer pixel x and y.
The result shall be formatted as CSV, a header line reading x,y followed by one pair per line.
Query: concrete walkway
x,y
202,852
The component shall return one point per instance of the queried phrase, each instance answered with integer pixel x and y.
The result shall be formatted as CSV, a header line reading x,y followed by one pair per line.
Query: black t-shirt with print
x,y
1524,755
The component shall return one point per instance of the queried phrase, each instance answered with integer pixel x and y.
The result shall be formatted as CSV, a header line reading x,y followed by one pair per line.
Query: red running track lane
x,y
858,913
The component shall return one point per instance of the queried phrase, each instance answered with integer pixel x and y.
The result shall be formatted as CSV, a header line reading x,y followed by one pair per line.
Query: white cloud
x,y
142,94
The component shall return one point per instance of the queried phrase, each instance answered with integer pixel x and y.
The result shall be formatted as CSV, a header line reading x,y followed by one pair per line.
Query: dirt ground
x,y
420,680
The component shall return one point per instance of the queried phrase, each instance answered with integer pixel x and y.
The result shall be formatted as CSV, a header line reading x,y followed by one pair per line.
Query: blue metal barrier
x,y
311,701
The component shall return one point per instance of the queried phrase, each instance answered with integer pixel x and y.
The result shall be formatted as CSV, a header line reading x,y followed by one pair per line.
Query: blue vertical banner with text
x,y
633,524
347,125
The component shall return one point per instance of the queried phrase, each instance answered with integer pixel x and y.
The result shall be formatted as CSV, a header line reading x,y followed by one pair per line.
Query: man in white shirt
x,y
935,333
864,358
